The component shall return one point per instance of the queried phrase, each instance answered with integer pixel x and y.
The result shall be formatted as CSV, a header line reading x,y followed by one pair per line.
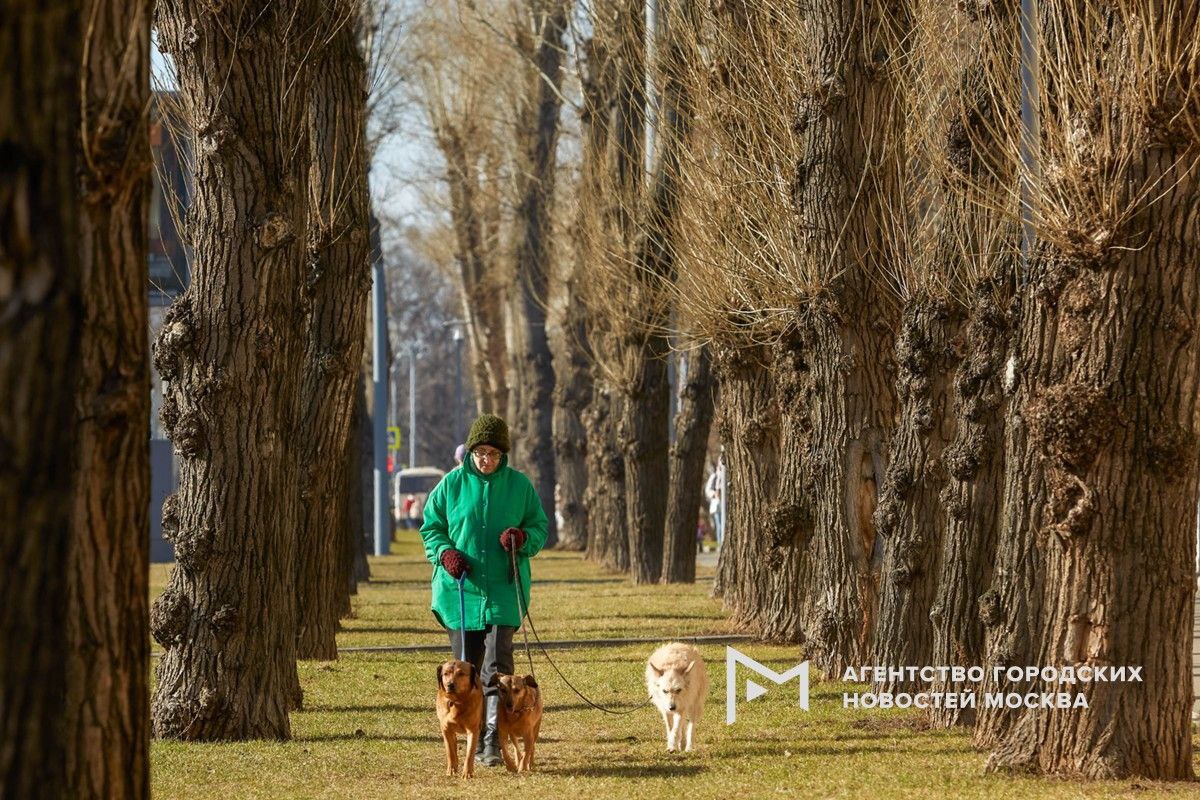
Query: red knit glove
x,y
455,563
512,538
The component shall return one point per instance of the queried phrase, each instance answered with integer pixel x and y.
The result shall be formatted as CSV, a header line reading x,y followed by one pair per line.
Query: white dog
x,y
678,685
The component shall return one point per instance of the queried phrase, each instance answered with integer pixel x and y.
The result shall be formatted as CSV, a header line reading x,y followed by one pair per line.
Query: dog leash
x,y
512,554
462,619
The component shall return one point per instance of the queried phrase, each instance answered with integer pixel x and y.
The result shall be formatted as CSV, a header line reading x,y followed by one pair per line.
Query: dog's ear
x,y
494,680
441,685
474,676
657,672
529,681
689,667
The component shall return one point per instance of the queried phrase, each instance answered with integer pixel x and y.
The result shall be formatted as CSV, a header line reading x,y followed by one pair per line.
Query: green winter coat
x,y
467,511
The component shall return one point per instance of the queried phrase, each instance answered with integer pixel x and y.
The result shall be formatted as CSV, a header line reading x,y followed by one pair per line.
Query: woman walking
x,y
474,518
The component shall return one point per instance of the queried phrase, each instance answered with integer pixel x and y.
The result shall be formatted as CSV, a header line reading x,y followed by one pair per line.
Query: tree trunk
x,y
604,499
909,516
41,319
336,290
647,401
1108,403
360,490
979,216
572,393
971,499
231,348
848,181
787,529
479,282
108,711
537,143
749,426
644,436
685,499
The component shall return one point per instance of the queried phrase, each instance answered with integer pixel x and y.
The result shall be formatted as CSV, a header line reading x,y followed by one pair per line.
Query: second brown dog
x,y
459,710
520,718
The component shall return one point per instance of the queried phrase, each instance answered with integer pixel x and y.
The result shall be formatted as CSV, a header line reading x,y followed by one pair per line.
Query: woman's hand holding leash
x,y
512,539
455,563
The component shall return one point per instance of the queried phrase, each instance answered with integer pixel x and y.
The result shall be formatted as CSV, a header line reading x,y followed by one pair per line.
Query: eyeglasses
x,y
486,455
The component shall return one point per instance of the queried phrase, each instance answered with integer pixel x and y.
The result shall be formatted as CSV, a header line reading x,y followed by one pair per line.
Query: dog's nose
x,y
671,707
450,686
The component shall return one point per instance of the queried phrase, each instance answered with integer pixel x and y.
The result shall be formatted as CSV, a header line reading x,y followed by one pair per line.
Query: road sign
x,y
393,437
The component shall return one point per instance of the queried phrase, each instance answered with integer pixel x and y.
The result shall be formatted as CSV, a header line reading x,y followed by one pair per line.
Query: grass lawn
x,y
369,730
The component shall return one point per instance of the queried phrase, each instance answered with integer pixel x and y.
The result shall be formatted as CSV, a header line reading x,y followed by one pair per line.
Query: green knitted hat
x,y
488,429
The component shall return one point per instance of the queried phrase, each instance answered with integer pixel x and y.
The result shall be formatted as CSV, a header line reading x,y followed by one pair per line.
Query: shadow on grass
x,y
369,737
628,770
539,581
377,709
614,706
386,629
777,747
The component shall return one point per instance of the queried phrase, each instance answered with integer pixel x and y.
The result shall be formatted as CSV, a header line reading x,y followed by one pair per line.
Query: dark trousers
x,y
490,650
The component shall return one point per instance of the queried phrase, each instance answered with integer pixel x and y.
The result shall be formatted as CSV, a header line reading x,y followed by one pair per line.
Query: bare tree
x,y
41,321
1104,409
336,289
107,716
693,422
231,349
538,31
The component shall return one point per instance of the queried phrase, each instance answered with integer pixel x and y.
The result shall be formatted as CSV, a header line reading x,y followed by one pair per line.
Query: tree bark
x,y
693,422
41,319
978,170
480,285
604,499
572,394
847,181
537,143
651,223
336,292
231,348
909,515
749,426
107,715
359,508
971,498
1108,403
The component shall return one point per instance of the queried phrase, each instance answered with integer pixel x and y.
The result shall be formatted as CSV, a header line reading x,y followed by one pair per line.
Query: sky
x,y
402,159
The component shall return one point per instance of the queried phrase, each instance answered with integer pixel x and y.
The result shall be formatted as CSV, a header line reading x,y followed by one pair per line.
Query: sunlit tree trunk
x,y
693,422
1109,372
108,711
336,291
231,348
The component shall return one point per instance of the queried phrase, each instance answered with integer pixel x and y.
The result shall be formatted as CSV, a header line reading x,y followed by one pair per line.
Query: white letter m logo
x,y
734,657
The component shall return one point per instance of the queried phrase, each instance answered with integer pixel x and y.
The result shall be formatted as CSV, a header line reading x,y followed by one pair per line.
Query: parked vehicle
x,y
416,482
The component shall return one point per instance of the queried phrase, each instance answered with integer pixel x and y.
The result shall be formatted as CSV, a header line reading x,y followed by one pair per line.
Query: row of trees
x,y
261,357
937,261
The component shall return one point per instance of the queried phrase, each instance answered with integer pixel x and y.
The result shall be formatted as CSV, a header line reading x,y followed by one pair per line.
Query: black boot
x,y
488,753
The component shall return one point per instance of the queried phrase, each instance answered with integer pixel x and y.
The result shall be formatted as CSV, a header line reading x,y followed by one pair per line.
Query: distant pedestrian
x,y
410,502
714,490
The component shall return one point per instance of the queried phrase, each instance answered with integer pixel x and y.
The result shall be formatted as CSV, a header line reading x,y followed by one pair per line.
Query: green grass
x,y
369,731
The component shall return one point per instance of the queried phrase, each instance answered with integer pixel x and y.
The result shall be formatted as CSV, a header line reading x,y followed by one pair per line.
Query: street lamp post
x,y
456,326
458,403
412,405
383,532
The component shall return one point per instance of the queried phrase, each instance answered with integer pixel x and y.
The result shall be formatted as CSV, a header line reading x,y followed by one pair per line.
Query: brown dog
x,y
520,717
459,710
